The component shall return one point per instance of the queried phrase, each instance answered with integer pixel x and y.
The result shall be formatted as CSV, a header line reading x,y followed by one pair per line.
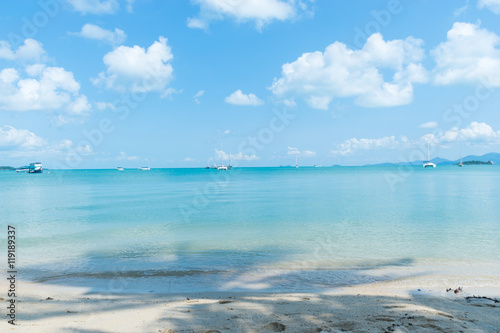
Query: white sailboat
x,y
428,163
222,166
460,164
296,164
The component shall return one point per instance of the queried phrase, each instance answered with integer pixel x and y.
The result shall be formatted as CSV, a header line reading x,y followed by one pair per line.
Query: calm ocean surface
x,y
248,228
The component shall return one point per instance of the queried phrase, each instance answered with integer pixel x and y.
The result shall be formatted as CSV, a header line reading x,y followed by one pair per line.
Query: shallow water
x,y
260,228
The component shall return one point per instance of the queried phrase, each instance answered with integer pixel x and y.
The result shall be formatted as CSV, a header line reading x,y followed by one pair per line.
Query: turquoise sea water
x,y
247,228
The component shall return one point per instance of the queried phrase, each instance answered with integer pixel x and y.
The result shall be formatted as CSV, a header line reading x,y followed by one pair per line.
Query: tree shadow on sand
x,y
263,312
249,300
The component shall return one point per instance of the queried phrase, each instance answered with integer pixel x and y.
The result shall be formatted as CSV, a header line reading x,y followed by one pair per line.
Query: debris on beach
x,y
225,301
456,291
482,300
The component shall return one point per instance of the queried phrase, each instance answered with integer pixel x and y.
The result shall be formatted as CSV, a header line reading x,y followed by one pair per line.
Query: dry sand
x,y
380,307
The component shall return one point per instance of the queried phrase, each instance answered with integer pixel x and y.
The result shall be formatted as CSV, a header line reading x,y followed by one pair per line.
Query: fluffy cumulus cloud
x,y
19,144
137,69
93,31
95,6
261,12
35,86
476,134
41,88
11,137
350,146
470,54
31,50
319,77
493,5
239,98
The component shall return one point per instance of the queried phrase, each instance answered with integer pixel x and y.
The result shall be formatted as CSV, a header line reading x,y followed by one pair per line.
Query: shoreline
x,y
388,306
409,275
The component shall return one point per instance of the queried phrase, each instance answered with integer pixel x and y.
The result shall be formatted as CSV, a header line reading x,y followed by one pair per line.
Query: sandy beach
x,y
378,307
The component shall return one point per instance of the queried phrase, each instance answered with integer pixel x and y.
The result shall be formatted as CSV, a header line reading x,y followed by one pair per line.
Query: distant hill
x,y
7,168
494,157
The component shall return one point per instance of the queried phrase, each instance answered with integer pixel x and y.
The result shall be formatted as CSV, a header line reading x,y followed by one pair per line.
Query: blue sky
x,y
102,83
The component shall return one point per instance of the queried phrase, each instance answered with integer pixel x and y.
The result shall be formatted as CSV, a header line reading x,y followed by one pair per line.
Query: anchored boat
x,y
35,167
428,163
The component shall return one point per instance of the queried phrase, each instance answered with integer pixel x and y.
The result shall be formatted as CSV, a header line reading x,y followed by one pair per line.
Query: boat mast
x,y
221,155
428,158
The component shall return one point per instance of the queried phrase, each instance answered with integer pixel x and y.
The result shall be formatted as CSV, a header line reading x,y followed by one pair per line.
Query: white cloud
x,y
64,144
430,124
22,144
80,106
11,137
308,153
94,6
348,147
124,157
461,10
319,77
189,159
63,119
493,5
136,69
43,88
130,7
92,31
169,92
196,23
305,153
9,75
221,155
293,151
289,102
475,133
198,95
84,150
30,50
470,54
261,12
105,106
239,98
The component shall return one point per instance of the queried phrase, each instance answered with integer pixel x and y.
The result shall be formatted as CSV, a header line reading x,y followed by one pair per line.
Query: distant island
x,y
486,159
476,163
7,168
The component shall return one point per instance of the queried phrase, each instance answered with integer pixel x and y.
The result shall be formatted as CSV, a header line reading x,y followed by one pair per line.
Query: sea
x,y
259,229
